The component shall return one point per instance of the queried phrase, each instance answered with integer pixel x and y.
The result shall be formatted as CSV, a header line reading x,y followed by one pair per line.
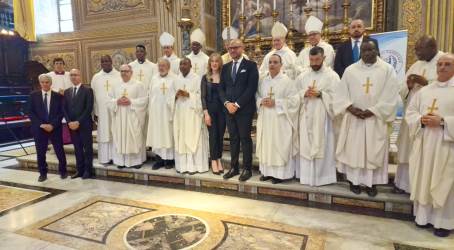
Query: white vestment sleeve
x,y
385,108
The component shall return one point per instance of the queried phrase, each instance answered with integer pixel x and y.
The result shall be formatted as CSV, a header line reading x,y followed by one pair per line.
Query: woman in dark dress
x,y
213,111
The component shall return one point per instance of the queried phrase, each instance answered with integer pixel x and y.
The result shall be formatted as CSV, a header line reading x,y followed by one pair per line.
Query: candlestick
x,y
326,8
274,14
274,5
242,7
345,6
258,38
242,23
291,27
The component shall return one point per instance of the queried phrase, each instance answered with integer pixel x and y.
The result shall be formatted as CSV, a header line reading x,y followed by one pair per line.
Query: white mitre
x,y
279,30
166,39
229,33
198,36
313,25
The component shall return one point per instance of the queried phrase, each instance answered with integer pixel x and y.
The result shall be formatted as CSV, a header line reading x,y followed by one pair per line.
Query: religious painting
x,y
367,10
119,57
100,6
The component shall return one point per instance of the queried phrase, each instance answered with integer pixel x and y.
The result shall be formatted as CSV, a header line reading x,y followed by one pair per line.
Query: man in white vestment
x,y
102,85
60,78
128,105
313,29
143,70
317,164
430,119
228,34
160,111
277,112
279,32
367,96
189,131
199,59
421,73
167,40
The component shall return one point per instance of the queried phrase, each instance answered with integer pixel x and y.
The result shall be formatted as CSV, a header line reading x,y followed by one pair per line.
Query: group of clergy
x,y
318,113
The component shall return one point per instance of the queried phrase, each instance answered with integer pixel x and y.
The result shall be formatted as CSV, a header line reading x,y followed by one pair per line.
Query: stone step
x,y
69,149
335,194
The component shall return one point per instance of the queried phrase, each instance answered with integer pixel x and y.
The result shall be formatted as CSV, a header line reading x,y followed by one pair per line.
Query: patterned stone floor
x,y
100,214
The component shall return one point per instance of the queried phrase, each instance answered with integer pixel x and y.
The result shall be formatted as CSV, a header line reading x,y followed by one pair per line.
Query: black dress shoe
x,y
245,175
42,178
221,171
232,172
63,176
371,191
169,164
356,189
440,232
397,190
157,165
265,178
276,181
121,167
76,175
428,225
137,166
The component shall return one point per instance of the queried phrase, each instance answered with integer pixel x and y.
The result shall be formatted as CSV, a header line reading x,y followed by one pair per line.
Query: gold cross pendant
x,y
433,107
270,93
107,85
163,88
140,75
125,93
367,85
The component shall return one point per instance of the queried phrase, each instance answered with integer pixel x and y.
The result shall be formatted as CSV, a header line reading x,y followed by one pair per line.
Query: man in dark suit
x,y
348,52
77,108
46,113
239,81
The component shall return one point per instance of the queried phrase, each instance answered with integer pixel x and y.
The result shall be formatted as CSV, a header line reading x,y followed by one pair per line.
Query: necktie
x,y
74,92
356,51
234,71
46,108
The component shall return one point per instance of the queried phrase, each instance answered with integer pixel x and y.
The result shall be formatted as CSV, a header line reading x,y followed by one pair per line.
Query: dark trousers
x,y
216,133
83,148
239,126
42,138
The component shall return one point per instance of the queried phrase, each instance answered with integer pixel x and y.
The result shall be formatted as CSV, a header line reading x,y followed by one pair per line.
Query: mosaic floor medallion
x,y
171,231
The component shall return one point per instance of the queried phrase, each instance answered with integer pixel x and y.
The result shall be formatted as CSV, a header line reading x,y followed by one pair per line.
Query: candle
x,y
308,2
258,4
242,7
274,5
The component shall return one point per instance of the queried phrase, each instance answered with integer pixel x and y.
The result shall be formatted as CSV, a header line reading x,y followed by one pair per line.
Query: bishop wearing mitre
x,y
199,59
167,41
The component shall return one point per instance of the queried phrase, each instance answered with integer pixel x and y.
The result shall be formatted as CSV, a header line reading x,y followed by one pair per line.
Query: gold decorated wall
x,y
431,17
114,27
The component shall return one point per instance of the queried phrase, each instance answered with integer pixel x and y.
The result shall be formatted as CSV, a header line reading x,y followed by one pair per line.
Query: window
x,y
52,16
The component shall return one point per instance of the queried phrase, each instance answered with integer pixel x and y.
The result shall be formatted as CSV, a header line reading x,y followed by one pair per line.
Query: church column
x,y
170,13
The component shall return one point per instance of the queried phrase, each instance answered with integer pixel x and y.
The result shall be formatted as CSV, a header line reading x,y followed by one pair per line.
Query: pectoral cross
x,y
195,68
433,107
125,93
271,94
313,83
367,85
423,73
107,85
163,88
140,75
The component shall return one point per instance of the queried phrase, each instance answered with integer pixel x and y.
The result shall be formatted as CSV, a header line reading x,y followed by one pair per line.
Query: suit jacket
x,y
80,107
344,55
243,90
37,112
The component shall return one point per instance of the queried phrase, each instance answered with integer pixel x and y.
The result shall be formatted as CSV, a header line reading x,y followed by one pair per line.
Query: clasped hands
x,y
231,107
431,120
312,92
73,125
182,93
361,114
268,102
123,101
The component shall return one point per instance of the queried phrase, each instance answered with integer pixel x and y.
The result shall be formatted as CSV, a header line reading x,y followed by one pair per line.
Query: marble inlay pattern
x,y
110,223
167,232
11,197
94,221
260,238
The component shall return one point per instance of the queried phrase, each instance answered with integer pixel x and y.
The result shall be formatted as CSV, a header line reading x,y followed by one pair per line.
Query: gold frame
x,y
377,20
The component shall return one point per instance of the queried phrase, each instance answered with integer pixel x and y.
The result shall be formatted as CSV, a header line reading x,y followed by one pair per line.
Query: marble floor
x,y
100,214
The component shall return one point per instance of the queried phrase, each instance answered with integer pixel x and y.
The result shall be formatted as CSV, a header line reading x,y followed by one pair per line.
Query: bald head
x,y
426,48
74,76
356,29
445,67
163,66
236,48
